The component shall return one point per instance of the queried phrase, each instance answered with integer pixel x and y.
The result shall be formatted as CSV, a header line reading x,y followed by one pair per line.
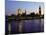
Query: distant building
x,y
25,12
39,10
19,12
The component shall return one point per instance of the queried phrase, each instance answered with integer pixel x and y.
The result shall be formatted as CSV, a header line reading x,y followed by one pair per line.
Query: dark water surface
x,y
25,26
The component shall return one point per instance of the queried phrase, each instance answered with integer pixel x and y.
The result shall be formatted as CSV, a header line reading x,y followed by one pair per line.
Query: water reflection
x,y
27,26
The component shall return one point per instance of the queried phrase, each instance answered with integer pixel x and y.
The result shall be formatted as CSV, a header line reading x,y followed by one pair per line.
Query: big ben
x,y
40,10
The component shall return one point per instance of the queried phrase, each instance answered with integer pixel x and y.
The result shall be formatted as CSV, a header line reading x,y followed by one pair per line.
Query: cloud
x,y
19,0
11,0
14,0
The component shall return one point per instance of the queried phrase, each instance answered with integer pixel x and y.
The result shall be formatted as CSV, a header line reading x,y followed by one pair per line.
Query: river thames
x,y
25,26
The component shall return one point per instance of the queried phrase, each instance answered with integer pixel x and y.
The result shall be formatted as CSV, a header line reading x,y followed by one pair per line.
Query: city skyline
x,y
13,6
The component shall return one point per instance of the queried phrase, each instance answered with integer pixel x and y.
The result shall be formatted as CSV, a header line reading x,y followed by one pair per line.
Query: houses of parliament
x,y
19,12
32,15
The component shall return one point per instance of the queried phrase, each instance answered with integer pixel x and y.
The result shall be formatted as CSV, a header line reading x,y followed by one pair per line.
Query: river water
x,y
25,26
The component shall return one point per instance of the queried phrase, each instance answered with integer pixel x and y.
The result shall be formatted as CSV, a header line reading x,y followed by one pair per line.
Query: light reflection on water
x,y
36,25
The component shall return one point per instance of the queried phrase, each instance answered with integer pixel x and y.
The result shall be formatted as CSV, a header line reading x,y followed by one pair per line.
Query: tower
x,y
39,10
25,12
19,11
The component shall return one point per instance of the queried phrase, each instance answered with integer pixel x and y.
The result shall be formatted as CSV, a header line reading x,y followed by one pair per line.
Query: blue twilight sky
x,y
12,6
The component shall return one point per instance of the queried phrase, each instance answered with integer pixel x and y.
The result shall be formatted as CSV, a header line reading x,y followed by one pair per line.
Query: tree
x,y
37,15
32,14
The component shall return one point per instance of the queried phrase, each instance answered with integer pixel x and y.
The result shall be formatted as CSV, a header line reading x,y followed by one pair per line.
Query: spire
x,y
39,10
18,11
25,11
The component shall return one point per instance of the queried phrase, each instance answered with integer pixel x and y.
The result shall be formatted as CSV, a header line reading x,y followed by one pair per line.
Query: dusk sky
x,y
12,6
